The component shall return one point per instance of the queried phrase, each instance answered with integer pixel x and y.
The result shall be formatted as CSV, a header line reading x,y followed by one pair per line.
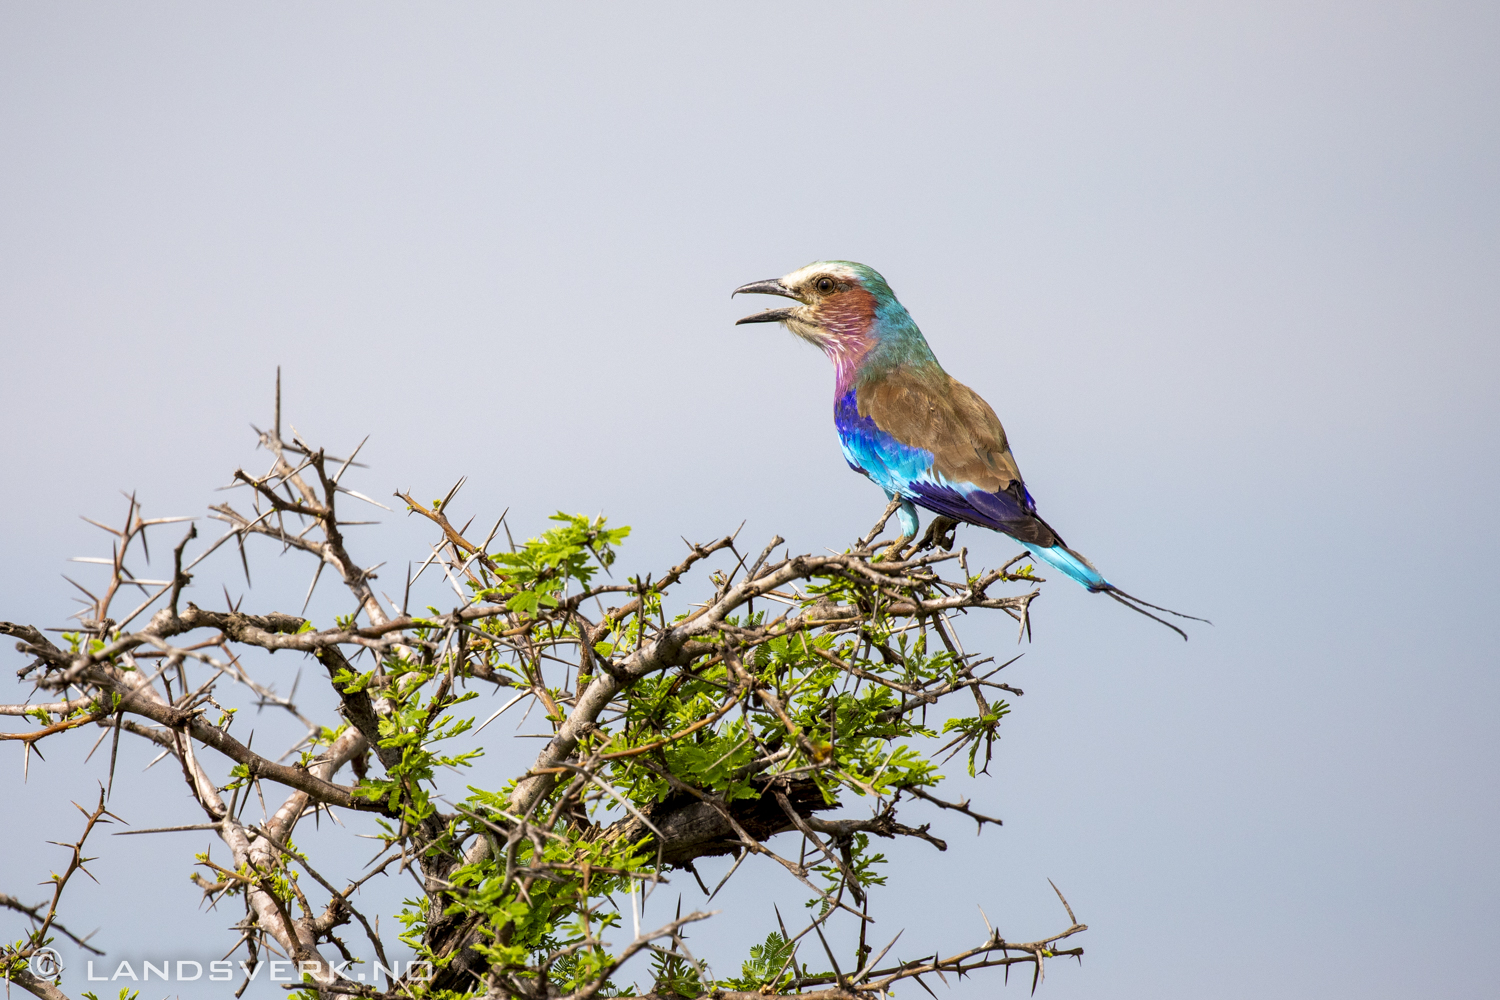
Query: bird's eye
x,y
825,285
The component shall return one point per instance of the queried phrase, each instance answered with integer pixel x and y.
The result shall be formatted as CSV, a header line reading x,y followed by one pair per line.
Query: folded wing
x,y
936,442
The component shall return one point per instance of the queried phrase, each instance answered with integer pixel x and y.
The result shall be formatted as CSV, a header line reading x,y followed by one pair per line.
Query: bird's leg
x,y
906,516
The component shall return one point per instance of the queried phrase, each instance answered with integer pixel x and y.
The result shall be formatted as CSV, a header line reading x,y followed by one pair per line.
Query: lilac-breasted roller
x,y
910,427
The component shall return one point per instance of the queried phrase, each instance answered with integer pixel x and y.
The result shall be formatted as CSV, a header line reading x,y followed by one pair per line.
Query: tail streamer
x,y
1139,607
1076,567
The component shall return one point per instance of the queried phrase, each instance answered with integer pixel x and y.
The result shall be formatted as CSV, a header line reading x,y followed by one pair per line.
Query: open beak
x,y
770,286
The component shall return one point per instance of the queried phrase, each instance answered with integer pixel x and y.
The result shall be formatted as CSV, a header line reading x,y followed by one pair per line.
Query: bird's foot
x,y
893,551
940,534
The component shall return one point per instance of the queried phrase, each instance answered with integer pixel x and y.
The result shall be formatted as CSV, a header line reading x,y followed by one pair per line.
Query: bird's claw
x,y
894,550
941,533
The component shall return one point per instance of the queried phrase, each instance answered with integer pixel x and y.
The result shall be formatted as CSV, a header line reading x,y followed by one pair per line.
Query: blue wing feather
x,y
907,471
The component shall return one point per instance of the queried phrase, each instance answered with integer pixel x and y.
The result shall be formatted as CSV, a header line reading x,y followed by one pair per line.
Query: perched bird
x,y
914,430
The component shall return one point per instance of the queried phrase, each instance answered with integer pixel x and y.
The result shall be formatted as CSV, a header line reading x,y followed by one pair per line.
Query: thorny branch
x,y
673,733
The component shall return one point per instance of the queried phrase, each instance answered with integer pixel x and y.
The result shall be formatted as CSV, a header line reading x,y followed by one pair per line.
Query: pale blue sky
x,y
1227,275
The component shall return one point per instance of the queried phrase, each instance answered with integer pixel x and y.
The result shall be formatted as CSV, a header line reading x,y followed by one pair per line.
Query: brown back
x,y
950,420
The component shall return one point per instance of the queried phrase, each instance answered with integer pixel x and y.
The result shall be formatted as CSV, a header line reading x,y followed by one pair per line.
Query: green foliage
x,y
417,722
671,975
11,963
844,724
976,729
543,906
540,571
769,966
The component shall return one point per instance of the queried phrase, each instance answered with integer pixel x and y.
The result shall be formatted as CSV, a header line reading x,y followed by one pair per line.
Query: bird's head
x,y
842,307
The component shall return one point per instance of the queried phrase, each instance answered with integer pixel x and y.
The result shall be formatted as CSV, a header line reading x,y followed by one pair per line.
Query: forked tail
x,y
1076,567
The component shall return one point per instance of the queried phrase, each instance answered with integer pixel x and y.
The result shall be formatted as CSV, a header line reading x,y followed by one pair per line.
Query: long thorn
x,y
114,751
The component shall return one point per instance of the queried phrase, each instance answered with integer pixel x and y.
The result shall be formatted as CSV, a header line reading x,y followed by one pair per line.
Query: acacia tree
x,y
791,697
